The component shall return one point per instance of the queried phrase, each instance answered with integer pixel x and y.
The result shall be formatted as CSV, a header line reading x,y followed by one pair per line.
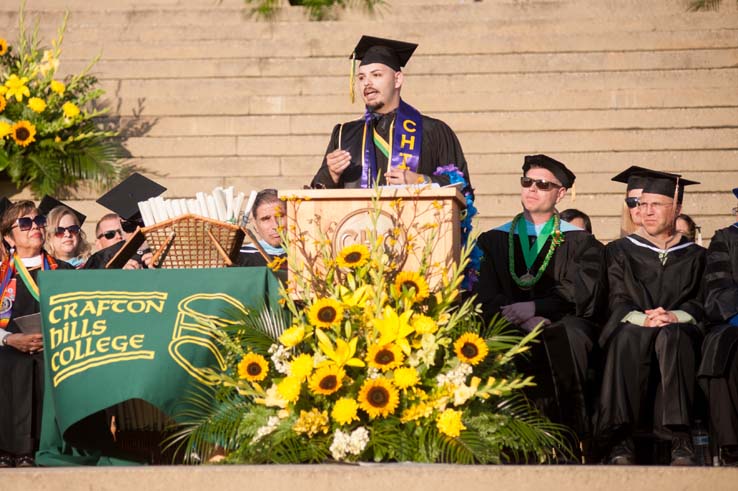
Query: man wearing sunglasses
x,y
540,271
652,339
718,374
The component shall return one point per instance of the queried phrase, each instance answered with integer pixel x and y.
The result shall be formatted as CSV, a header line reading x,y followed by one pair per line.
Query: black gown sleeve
x,y
490,292
441,147
721,297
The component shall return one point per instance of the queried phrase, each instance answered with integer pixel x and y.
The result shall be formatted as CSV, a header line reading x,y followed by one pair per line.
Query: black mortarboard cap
x,y
635,177
5,203
735,192
48,203
665,184
564,175
123,199
394,54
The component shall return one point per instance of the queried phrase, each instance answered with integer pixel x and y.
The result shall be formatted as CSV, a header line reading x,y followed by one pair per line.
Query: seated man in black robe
x,y
554,275
393,143
269,215
718,373
652,338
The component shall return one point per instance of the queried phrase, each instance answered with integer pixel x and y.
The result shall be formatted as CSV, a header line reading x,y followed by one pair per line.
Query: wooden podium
x,y
411,217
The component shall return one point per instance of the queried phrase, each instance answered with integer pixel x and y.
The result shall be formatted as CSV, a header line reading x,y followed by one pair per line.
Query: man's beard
x,y
374,108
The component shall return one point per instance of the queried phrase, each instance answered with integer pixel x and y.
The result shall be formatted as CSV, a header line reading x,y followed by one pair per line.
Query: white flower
x,y
280,358
372,373
455,377
271,425
427,352
358,441
345,444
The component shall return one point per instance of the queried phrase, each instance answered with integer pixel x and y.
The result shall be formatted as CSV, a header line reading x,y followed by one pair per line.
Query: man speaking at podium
x,y
393,143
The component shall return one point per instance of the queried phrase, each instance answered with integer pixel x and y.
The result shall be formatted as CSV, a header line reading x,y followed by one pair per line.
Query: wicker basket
x,y
193,241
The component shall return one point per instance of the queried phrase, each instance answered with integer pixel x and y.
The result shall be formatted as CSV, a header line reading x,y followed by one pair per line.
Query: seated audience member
x,y
269,218
630,218
21,354
554,277
65,238
688,228
652,340
577,218
113,229
719,369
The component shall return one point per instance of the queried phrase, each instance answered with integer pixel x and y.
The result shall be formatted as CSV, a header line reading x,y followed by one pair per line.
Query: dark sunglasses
x,y
129,226
632,202
26,223
110,234
541,184
72,229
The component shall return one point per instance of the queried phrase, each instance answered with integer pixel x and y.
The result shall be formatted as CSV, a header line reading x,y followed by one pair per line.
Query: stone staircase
x,y
210,96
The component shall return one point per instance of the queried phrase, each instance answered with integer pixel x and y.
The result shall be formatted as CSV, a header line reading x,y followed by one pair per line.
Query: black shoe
x,y
682,452
729,455
25,461
6,461
623,453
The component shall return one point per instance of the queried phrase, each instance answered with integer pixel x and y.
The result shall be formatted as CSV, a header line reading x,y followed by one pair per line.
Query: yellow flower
x,y
36,104
416,412
3,46
2,101
406,377
17,87
23,133
470,348
57,139
302,366
311,422
289,389
353,256
385,357
424,324
413,283
342,354
378,397
5,129
292,336
253,367
394,328
70,110
272,398
325,312
345,411
57,87
449,423
327,380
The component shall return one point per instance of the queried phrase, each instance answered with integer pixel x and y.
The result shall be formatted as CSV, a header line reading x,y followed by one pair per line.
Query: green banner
x,y
110,336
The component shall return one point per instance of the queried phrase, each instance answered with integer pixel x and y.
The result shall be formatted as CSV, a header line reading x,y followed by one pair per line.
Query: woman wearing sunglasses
x,y
21,357
65,238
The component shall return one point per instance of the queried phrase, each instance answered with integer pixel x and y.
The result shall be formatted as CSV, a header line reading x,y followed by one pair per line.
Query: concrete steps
x,y
212,97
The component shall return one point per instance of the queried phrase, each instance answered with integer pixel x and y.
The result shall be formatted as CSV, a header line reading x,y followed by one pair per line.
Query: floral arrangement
x,y
371,364
48,137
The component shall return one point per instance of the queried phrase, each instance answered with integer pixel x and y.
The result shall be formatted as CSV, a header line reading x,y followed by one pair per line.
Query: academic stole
x,y
7,271
403,149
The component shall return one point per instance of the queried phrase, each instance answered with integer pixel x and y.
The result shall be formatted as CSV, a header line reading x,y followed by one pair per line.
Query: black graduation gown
x,y
642,362
102,257
718,372
440,146
21,382
570,294
251,257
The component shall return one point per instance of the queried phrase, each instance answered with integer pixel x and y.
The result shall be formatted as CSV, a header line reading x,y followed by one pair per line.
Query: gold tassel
x,y
352,90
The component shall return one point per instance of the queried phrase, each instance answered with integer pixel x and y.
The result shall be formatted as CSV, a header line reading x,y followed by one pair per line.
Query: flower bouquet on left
x,y
50,138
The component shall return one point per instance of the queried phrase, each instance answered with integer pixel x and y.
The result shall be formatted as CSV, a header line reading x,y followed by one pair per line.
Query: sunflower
x,y
327,380
378,397
3,46
301,366
449,423
344,411
385,357
23,133
406,377
413,283
470,348
36,104
253,367
325,312
353,256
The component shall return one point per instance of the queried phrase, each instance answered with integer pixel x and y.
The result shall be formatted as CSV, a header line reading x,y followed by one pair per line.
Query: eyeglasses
x,y
129,226
72,229
110,234
26,223
541,184
632,202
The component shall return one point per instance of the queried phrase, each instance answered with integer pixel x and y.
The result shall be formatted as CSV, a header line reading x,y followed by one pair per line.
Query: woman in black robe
x,y
21,355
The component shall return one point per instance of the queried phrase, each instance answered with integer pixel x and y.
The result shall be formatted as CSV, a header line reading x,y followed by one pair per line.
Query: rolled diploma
x,y
146,214
212,211
203,203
